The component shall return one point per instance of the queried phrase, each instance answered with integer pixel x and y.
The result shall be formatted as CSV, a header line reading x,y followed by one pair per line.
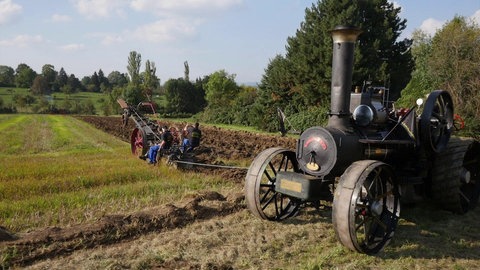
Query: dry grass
x,y
80,180
62,171
241,241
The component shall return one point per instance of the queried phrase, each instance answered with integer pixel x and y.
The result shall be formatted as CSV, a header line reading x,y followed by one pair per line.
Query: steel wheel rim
x,y
366,207
437,121
470,186
261,197
375,227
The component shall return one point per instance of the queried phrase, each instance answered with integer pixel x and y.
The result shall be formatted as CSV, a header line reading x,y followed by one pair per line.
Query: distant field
x,y
7,93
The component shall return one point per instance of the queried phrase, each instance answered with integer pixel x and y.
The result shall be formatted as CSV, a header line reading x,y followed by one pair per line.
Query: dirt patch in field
x,y
217,147
54,241
217,143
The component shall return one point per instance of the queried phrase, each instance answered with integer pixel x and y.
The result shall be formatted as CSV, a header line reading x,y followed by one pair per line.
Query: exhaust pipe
x,y
344,38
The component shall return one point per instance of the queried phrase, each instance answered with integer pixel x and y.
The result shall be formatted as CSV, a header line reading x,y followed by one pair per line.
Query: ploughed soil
x,y
218,146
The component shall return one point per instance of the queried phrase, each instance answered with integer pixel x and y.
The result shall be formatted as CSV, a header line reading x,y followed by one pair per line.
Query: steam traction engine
x,y
367,160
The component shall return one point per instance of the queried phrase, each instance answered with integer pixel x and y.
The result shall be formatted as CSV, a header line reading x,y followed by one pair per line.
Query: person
x,y
195,137
166,140
186,137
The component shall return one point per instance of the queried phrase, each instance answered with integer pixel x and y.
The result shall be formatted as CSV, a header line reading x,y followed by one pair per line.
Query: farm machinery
x,y
148,132
368,161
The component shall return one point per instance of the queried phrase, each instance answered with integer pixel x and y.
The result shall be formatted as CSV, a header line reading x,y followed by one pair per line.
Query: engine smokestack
x,y
344,38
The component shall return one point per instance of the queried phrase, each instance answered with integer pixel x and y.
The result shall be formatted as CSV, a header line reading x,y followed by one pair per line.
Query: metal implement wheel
x,y
366,206
456,175
260,195
436,121
138,142
172,161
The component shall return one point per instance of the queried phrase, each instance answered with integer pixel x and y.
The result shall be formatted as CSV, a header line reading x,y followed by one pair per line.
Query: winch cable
x,y
211,165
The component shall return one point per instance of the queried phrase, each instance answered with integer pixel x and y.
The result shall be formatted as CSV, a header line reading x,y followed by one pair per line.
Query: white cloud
x,y
111,39
396,4
430,26
166,30
178,18
72,47
184,6
8,11
476,17
175,19
60,18
22,41
93,9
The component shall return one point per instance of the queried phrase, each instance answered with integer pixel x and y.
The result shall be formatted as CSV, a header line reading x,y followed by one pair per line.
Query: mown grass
x,y
58,170
83,174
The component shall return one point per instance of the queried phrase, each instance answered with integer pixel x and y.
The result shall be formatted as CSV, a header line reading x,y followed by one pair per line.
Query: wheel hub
x,y
465,176
376,208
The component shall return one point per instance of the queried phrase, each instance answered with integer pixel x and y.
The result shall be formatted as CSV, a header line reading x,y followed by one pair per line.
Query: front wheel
x,y
260,195
366,206
138,142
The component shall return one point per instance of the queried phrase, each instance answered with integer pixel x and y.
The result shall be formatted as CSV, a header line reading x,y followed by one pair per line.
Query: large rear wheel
x,y
436,121
366,206
456,175
260,195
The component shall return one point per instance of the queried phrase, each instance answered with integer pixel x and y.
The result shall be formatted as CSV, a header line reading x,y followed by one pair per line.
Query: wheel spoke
x,y
384,195
272,168
273,198
262,200
271,179
436,121
260,194
368,226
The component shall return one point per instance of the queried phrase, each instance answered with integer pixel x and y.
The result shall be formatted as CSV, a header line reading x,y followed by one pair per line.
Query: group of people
x,y
189,139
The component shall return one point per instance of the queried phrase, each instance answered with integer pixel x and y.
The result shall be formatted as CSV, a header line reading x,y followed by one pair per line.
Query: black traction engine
x,y
368,160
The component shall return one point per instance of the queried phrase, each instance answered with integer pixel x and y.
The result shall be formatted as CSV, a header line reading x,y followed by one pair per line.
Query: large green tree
x,y
61,79
150,79
449,61
49,74
7,76
133,93
220,93
40,86
24,76
116,78
304,75
133,68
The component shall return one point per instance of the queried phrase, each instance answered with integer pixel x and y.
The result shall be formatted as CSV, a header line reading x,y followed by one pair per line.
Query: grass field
x,y
7,93
59,171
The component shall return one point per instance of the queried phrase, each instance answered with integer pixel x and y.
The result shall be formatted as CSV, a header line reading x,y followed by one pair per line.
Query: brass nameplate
x,y
290,185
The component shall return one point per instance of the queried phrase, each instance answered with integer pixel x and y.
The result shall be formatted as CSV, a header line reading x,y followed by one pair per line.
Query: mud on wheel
x,y
260,195
456,175
366,206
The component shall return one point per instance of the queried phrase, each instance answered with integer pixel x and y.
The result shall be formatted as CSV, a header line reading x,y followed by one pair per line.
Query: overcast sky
x,y
239,36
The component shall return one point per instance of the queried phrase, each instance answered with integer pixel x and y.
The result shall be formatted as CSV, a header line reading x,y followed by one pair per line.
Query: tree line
x,y
299,81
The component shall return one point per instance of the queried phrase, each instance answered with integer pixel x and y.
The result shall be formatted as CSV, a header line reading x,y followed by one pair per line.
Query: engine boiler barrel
x,y
344,38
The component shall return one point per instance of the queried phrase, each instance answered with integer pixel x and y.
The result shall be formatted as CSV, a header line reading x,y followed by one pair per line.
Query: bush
x,y
313,116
